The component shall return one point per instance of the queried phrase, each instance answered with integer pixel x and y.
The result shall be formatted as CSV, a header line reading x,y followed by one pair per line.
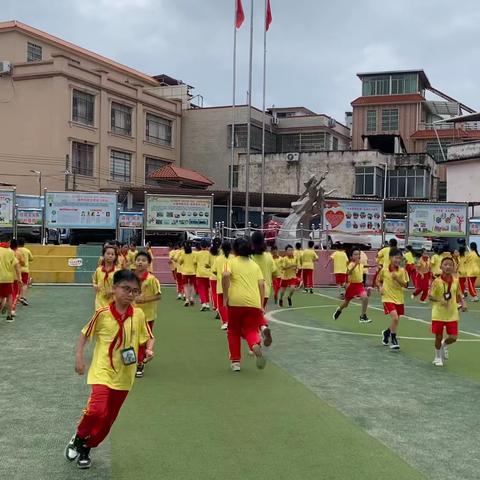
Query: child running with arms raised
x,y
119,330
445,295
289,266
391,282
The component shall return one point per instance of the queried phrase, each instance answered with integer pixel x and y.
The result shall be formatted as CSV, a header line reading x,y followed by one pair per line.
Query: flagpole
x,y
232,141
249,123
262,178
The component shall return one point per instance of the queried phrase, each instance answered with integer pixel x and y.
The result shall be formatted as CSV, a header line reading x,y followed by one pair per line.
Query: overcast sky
x,y
315,47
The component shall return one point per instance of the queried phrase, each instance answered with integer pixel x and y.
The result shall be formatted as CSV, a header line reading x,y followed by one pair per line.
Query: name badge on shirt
x,y
128,356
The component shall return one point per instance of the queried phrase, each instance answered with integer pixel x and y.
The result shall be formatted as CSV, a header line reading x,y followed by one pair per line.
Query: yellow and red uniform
x,y
393,296
269,270
355,287
130,257
7,270
473,271
445,316
202,274
103,279
289,271
423,277
308,259
25,268
220,266
340,263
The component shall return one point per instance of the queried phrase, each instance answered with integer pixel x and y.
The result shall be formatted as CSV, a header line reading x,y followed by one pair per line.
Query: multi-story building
x,y
77,120
206,141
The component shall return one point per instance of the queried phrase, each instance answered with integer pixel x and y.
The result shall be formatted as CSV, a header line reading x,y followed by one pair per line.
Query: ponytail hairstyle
x,y
241,247
258,243
187,247
226,248
462,250
216,242
473,248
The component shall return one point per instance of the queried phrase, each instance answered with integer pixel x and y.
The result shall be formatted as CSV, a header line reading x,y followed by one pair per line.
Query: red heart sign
x,y
334,218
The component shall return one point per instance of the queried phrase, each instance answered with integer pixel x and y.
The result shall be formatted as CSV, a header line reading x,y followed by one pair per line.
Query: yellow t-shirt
x,y
244,277
131,259
187,263
340,261
297,255
104,328
104,296
202,259
393,292
27,258
462,267
171,256
383,257
269,270
409,258
356,273
150,286
423,265
439,312
309,257
7,265
289,268
211,262
473,264
220,266
435,262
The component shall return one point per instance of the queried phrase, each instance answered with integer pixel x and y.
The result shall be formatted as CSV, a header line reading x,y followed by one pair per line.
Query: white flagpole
x,y
262,181
232,141
249,123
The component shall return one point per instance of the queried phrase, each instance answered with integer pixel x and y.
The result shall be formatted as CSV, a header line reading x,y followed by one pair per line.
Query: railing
x,y
449,126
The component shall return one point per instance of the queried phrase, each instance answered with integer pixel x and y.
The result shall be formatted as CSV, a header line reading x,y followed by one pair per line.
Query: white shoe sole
x,y
69,449
260,360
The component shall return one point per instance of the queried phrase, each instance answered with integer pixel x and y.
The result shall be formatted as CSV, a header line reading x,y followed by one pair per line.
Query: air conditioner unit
x,y
293,157
5,67
332,123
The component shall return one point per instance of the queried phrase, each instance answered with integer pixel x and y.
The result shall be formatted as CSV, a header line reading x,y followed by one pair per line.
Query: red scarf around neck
x,y
120,318
104,269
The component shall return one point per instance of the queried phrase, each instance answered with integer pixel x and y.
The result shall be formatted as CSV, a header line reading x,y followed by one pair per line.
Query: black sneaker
x,y
395,345
280,302
217,316
386,337
10,319
305,290
289,301
84,460
24,301
140,369
267,336
364,318
337,314
71,450
311,290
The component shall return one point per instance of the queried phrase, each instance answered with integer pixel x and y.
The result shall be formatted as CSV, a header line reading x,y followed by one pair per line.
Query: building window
x,y
395,84
376,86
255,140
371,120
369,181
82,158
159,130
435,149
121,119
334,144
304,142
120,166
409,183
235,175
34,52
83,107
407,83
152,164
389,119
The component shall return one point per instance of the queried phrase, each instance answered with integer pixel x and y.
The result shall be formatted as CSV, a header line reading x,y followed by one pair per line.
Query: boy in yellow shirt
x,y
289,275
119,329
340,264
435,261
391,282
445,295
25,270
308,259
131,256
9,273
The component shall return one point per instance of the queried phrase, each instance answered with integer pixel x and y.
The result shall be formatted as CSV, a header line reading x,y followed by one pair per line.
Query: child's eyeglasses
x,y
129,291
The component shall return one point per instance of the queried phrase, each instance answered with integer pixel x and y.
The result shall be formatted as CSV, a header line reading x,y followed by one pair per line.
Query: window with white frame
x,y
34,52
389,119
371,120
438,150
369,181
120,166
121,117
409,183
83,107
158,130
82,158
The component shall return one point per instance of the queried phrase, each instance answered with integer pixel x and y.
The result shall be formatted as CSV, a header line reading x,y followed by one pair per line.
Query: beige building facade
x,y
76,120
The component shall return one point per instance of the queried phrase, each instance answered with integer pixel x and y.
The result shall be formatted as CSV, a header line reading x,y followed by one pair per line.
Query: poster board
x,y
353,217
7,203
131,220
178,213
81,210
29,217
474,231
395,226
437,219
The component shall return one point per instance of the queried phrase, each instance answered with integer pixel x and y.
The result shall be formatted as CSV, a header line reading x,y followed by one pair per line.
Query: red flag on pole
x,y
268,16
239,15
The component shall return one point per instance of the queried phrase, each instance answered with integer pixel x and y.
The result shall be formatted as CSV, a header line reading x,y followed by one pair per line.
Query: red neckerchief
x,y
448,281
104,270
4,245
143,277
120,318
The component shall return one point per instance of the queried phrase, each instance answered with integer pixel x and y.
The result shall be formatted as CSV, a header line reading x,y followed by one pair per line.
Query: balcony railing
x,y
449,126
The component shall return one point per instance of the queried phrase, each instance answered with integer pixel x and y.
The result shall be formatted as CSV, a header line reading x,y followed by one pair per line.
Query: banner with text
x,y
178,212
133,220
6,208
81,210
437,219
351,216
395,226
29,217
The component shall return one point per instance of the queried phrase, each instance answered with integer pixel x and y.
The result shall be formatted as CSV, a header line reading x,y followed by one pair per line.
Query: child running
x,y
391,282
473,270
462,269
17,284
435,261
103,277
308,259
355,288
277,281
25,270
410,264
220,266
243,293
202,273
423,277
150,294
340,263
445,295
131,256
298,257
289,275
214,252
119,330
9,273
149,250
188,268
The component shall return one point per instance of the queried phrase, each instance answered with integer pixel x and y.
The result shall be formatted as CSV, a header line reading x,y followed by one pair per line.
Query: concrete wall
x,y
463,181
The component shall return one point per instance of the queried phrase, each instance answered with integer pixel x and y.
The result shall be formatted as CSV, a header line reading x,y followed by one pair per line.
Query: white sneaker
x,y
260,360
444,350
203,307
224,326
14,313
250,353
235,366
438,362
179,296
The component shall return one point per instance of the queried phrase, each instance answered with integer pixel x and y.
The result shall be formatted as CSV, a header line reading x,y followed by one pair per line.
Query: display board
x,y
81,210
178,212
353,216
7,202
29,217
437,219
133,220
395,226
474,231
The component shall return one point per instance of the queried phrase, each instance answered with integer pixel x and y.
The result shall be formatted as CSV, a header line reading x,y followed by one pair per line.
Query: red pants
x,y
243,322
307,278
472,291
222,310
213,294
277,283
179,281
203,285
16,294
142,348
423,285
412,273
374,280
463,283
102,410
264,321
